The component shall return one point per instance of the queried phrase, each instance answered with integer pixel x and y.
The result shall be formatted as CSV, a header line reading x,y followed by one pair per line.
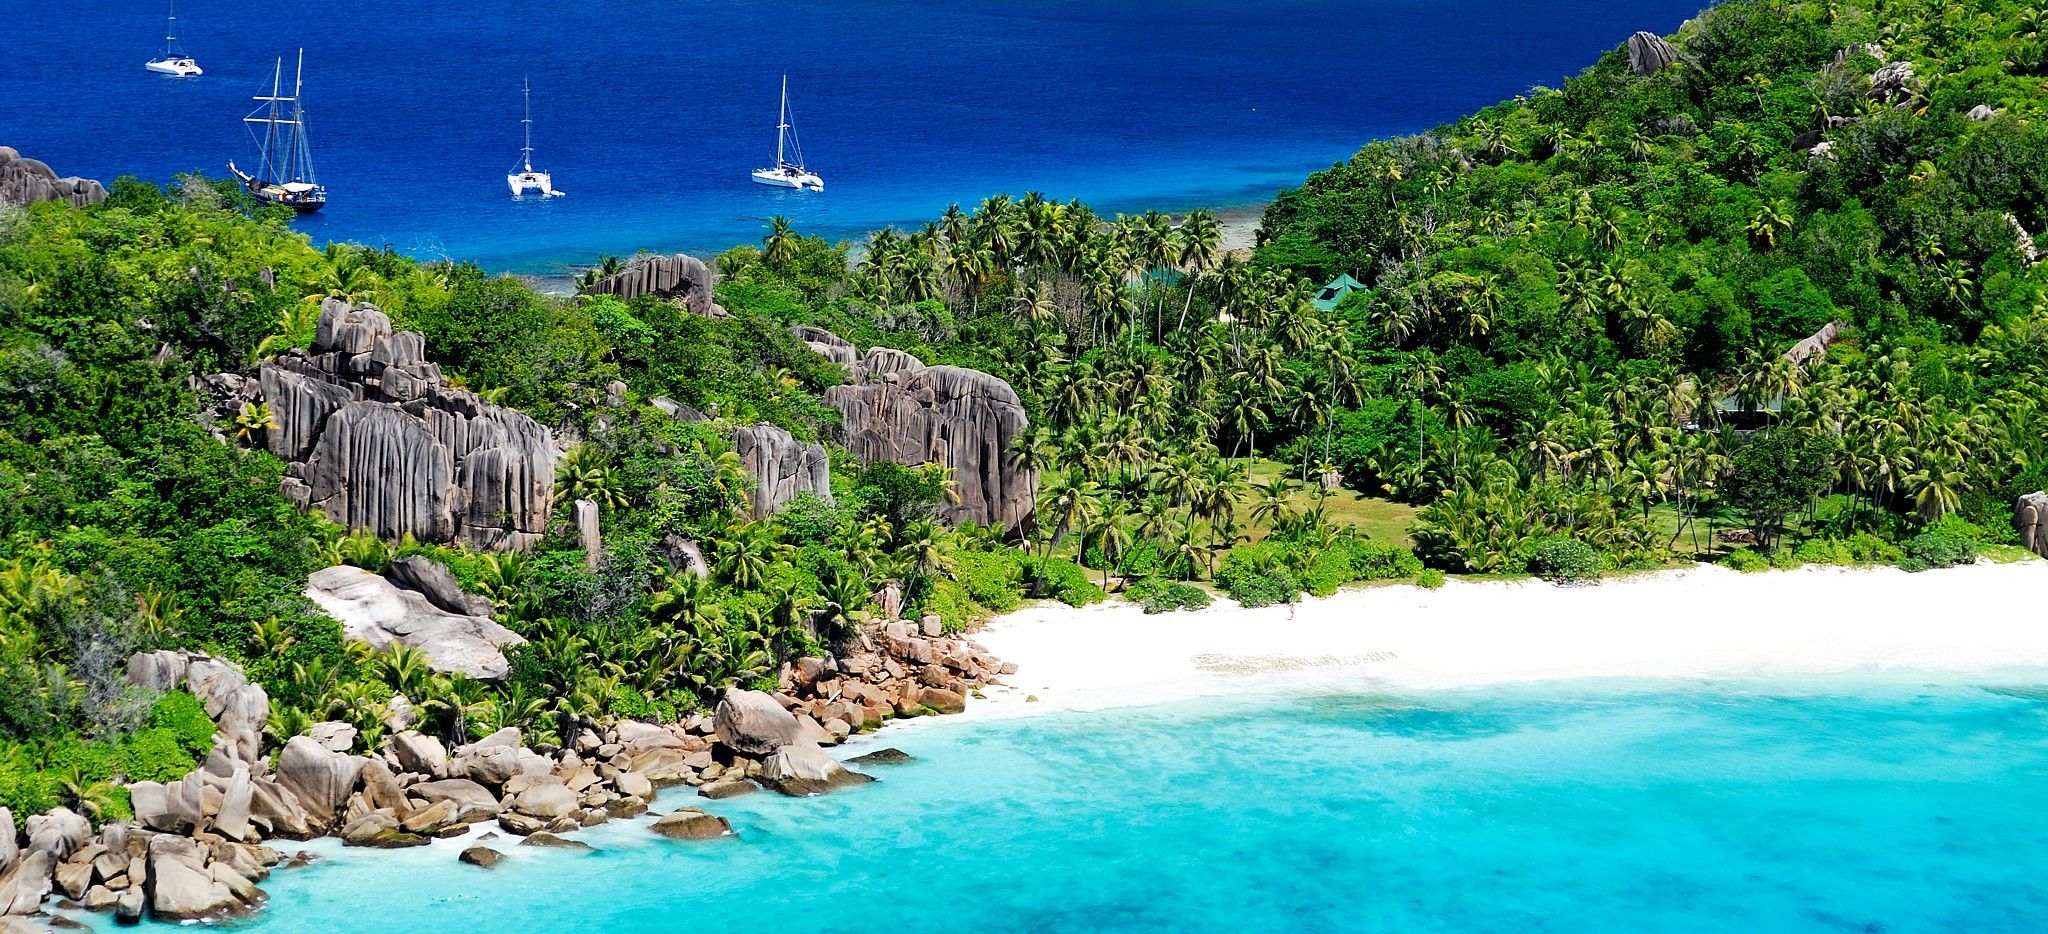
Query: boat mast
x,y
526,152
171,32
782,122
270,122
302,157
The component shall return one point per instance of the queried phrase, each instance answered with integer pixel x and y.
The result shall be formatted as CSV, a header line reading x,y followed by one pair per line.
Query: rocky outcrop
x,y
1894,83
781,467
1815,345
752,722
681,276
2022,240
1982,113
319,778
372,610
1649,53
377,440
2030,519
26,181
897,409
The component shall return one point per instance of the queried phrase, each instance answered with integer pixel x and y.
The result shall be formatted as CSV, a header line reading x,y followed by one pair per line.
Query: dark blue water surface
x,y
650,113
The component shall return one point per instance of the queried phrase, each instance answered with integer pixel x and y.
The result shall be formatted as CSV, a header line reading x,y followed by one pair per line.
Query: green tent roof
x,y
1329,295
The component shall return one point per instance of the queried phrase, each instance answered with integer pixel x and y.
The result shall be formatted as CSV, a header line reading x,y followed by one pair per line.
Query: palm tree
x,y
746,555
780,246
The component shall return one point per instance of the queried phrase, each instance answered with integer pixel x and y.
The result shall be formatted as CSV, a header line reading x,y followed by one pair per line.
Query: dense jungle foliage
x,y
1569,352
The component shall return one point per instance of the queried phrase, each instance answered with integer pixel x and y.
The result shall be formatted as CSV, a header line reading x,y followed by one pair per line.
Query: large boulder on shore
x,y
691,824
26,181
894,408
375,437
58,832
319,778
372,610
801,769
753,723
181,888
25,884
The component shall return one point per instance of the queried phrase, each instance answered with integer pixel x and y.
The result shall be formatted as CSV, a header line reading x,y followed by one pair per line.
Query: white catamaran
x,y
286,173
787,174
172,60
526,177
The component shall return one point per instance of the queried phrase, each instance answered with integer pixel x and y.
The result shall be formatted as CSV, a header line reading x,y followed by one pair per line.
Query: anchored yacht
x,y
785,173
526,177
172,60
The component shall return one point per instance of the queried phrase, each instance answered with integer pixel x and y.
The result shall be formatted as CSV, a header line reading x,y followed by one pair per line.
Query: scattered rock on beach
x,y
483,856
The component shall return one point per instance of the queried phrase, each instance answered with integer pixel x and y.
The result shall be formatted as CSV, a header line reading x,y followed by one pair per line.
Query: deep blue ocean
x,y
650,113
1824,807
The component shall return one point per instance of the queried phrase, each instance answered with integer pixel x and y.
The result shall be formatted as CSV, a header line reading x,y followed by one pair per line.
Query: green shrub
x,y
185,718
157,754
1065,581
1746,560
992,578
1566,560
951,602
1374,560
1155,595
1254,590
1326,571
1429,578
1948,541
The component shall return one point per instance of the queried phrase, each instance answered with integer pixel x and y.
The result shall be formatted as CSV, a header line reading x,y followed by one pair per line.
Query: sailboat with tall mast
x,y
786,173
285,175
172,60
526,177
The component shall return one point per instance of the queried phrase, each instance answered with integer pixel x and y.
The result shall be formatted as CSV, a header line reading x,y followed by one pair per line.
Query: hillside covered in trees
x,y
1568,350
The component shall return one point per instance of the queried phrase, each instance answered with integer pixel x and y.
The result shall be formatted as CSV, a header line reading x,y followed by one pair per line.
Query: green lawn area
x,y
1381,519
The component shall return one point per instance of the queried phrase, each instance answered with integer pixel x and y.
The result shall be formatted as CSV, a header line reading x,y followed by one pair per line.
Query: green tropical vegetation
x,y
1568,357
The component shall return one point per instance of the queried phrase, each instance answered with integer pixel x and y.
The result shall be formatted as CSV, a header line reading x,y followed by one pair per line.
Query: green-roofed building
x,y
1328,297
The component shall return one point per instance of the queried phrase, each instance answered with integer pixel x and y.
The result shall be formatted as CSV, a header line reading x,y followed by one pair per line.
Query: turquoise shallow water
x,y
1830,807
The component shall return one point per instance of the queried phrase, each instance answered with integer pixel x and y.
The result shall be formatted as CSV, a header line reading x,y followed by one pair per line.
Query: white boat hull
x,y
784,178
175,67
521,182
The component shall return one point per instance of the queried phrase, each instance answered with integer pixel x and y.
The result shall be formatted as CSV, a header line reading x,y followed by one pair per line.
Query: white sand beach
x,y
1704,622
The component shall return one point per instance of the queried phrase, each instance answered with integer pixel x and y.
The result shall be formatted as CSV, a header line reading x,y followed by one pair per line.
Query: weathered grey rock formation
x,y
2030,519
587,533
1893,82
1982,112
781,467
26,181
680,276
1648,53
377,440
372,610
321,779
897,409
2022,240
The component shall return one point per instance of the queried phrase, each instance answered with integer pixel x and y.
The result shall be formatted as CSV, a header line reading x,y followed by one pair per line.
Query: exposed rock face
x,y
588,535
2030,518
26,181
679,276
58,832
781,467
377,439
1648,53
372,610
1982,112
897,409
